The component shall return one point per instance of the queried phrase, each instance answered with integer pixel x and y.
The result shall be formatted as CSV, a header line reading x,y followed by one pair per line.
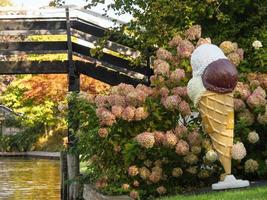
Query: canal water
x,y
29,179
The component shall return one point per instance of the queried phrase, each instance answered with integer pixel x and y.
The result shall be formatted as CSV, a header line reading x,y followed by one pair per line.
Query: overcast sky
x,y
30,4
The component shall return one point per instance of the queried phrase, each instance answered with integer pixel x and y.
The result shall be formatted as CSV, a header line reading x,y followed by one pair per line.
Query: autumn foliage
x,y
55,87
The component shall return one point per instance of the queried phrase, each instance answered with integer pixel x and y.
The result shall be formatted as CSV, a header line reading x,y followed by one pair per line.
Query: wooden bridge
x,y
82,34
81,30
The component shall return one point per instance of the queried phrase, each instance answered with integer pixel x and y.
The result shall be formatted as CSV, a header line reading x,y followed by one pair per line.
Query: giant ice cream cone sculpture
x,y
218,118
214,79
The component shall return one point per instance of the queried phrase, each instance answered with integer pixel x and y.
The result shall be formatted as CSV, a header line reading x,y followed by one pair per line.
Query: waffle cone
x,y
217,115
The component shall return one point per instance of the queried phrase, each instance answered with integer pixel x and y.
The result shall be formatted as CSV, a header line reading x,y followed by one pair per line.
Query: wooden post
x,y
63,175
74,86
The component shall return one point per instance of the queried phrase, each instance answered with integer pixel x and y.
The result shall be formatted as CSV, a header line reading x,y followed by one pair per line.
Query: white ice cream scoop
x,y
203,56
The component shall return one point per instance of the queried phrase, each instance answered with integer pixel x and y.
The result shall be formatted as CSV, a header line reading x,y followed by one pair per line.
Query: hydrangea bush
x,y
250,106
144,142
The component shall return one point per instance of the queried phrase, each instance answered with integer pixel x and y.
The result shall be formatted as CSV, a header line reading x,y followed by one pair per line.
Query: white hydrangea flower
x,y
211,155
257,44
238,151
253,137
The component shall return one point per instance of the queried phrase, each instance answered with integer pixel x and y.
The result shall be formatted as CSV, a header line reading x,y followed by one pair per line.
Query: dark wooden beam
x,y
124,50
8,47
33,67
111,60
73,75
32,24
26,33
88,27
107,75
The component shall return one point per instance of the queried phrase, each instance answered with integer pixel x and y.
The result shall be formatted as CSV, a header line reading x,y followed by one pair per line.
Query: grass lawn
x,y
257,193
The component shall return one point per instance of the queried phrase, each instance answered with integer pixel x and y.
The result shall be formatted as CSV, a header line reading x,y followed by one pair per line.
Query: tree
x,y
55,3
155,22
5,3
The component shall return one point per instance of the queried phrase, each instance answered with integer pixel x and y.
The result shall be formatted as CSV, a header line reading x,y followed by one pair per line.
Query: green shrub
x,y
4,143
157,21
140,141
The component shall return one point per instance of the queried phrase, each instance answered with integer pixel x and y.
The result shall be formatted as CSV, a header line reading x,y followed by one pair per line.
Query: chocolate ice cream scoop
x,y
220,76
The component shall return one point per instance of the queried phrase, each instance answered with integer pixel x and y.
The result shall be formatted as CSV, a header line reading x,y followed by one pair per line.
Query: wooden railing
x,y
85,28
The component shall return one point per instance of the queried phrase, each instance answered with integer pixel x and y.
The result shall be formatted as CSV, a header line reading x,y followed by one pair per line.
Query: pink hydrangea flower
x,y
144,173
180,91
161,67
177,172
164,91
128,113
262,118
134,194
175,41
136,97
100,110
240,52
264,84
103,132
257,98
182,148
254,83
133,170
163,54
147,90
184,108
117,111
146,139
101,183
234,58
117,148
180,131
107,118
193,138
125,186
193,33
246,116
177,75
171,102
117,100
140,114
170,139
260,91
185,49
227,47
159,137
191,159
239,105
161,190
242,90
136,183
101,101
203,41
122,89
156,175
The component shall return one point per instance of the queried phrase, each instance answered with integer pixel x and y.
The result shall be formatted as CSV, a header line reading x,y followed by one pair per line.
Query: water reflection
x,y
29,179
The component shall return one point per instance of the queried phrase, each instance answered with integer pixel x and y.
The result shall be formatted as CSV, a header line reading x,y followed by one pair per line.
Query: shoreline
x,y
32,154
